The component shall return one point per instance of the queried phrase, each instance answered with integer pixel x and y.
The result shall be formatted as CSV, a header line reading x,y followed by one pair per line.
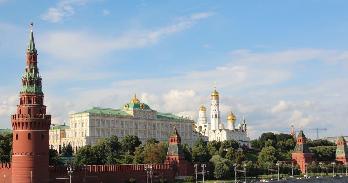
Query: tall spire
x,y
31,46
31,80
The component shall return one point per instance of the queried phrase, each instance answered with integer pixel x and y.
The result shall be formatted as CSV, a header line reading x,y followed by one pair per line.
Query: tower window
x,y
42,136
16,136
29,136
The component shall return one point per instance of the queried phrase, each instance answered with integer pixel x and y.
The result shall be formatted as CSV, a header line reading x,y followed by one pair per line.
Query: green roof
x,y
31,46
301,134
61,127
168,116
341,138
120,112
105,111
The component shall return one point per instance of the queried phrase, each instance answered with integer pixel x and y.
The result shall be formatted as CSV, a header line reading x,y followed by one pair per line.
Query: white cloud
x,y
246,85
8,105
63,9
300,120
75,45
281,106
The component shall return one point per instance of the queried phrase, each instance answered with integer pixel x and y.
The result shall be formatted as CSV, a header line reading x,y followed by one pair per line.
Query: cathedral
x,y
216,129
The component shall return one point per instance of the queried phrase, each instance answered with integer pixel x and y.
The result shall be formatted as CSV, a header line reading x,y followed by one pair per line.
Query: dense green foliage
x,y
267,157
126,151
53,157
5,147
67,150
324,153
200,153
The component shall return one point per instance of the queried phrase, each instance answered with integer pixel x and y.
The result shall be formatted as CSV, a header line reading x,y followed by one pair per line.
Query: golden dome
x,y
202,108
135,100
215,93
231,117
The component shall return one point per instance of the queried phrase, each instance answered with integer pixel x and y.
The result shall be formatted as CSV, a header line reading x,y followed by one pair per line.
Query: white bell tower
x,y
214,110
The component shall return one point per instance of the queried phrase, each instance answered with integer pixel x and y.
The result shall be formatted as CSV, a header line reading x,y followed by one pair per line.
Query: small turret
x,y
301,154
341,150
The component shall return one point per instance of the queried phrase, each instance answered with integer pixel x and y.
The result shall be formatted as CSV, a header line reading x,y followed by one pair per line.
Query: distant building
x,y
57,134
216,130
301,155
135,118
341,150
334,139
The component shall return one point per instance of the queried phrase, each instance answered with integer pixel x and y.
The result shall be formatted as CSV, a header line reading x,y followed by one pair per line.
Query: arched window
x,y
29,136
16,136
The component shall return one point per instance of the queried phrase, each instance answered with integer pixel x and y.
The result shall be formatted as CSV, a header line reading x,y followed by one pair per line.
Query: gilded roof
x,y
202,108
214,93
135,104
231,117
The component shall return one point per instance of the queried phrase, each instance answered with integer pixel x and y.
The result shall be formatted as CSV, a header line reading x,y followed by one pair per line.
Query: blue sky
x,y
275,62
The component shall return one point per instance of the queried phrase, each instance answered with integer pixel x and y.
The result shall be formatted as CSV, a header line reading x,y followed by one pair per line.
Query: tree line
x,y
221,157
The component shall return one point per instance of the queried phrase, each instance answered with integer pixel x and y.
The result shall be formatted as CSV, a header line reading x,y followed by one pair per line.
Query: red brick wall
x,y
113,173
110,173
302,159
5,173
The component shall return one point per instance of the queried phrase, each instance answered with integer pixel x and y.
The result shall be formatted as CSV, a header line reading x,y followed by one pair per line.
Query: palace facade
x,y
134,118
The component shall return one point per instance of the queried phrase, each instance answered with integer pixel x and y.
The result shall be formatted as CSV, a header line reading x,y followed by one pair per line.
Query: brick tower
x,y
30,126
175,155
341,151
301,155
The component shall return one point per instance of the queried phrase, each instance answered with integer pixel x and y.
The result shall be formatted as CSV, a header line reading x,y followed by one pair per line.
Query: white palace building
x,y
134,118
216,130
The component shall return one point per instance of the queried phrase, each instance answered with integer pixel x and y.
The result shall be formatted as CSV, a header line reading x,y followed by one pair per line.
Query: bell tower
x,y
30,125
214,110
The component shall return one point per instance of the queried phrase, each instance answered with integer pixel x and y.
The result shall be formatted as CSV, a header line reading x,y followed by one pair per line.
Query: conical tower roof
x,y
31,46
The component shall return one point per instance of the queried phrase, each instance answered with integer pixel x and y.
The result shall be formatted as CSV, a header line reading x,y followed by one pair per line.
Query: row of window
x,y
29,136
